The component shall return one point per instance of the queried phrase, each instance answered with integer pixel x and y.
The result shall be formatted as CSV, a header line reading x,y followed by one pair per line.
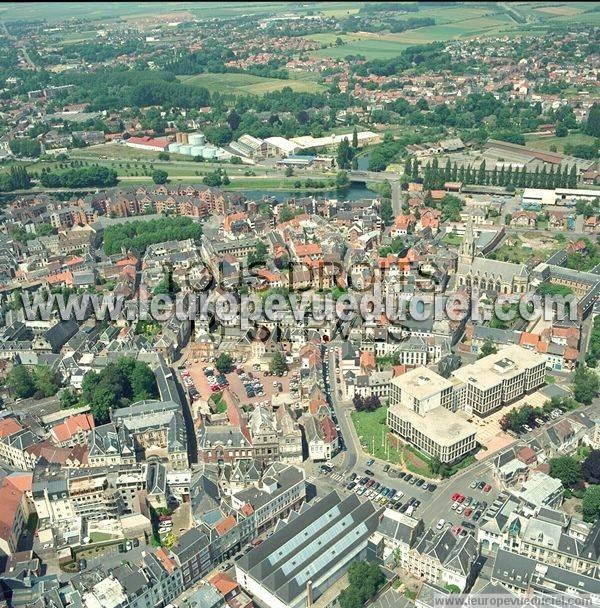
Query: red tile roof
x,y
9,426
225,525
223,583
329,431
10,499
247,509
72,425
148,141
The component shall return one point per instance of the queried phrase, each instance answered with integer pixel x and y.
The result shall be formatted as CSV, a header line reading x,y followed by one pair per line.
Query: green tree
x,y
20,382
592,125
341,180
285,214
365,580
143,382
45,381
29,148
590,467
278,363
386,211
487,348
591,503
159,176
167,285
585,384
415,169
259,256
344,154
567,469
224,363
116,385
354,138
68,399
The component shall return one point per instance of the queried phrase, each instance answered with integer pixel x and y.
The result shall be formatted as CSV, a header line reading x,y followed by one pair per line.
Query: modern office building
x,y
421,404
501,378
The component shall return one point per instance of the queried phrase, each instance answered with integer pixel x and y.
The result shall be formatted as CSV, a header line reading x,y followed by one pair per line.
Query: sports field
x,y
244,84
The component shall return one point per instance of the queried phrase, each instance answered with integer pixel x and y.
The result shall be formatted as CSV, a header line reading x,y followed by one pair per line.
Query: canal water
x,y
354,193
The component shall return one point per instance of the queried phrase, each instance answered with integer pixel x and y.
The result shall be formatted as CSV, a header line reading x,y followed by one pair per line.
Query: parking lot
x,y
419,497
248,383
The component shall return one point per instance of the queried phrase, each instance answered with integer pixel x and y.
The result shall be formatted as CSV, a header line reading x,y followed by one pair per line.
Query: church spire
x,y
467,249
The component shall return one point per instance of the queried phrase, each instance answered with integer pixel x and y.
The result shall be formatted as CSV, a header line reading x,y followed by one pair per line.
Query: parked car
x,y
440,524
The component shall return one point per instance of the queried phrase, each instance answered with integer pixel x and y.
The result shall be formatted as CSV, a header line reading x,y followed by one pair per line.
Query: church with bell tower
x,y
492,276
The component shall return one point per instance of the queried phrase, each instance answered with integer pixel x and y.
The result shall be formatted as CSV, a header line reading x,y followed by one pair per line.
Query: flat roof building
x,y
421,403
500,378
558,196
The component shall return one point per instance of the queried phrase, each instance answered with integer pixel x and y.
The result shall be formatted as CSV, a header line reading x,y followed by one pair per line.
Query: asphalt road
x,y
434,505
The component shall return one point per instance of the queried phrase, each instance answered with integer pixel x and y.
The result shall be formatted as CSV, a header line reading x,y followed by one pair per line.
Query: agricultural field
x,y
372,47
59,11
248,84
541,142
487,25
452,23
560,10
556,12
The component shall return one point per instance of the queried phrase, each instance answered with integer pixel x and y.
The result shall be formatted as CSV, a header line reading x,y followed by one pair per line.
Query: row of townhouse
x,y
438,557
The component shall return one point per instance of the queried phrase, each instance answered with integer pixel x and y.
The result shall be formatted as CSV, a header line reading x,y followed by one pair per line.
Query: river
x,y
354,193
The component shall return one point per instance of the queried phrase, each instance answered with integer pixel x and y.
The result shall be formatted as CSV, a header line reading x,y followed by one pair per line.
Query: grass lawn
x,y
244,84
372,431
220,405
273,183
545,143
453,239
98,537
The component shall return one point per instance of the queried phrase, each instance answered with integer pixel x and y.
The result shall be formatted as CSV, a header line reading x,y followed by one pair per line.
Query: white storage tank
x,y
185,149
197,150
196,139
174,147
209,152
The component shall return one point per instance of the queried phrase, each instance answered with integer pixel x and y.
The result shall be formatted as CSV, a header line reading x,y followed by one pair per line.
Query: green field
x,y
452,23
455,30
545,143
372,431
248,84
59,11
371,48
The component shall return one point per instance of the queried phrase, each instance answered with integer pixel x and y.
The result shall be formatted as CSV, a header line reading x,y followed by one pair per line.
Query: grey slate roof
x,y
310,545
